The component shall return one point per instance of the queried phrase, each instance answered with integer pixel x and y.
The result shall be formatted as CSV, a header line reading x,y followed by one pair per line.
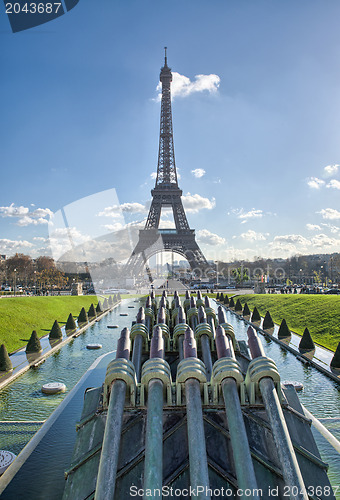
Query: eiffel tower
x,y
166,194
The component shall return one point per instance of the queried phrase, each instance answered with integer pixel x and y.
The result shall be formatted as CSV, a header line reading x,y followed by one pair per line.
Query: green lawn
x,y
20,315
319,313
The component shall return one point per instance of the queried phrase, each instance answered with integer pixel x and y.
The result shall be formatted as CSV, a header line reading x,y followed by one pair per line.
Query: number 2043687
x,y
33,8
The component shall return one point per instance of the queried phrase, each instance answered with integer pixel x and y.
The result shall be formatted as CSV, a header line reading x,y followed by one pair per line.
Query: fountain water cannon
x,y
262,373
162,323
186,303
156,382
149,315
139,335
191,374
227,378
205,337
120,375
192,313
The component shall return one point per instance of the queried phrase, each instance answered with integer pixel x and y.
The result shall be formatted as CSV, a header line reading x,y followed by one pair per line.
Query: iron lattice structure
x,y
166,193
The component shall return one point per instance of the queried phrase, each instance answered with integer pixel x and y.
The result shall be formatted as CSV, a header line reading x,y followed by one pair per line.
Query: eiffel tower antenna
x,y
166,193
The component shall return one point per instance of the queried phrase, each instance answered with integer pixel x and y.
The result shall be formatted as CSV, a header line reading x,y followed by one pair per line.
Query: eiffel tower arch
x,y
166,193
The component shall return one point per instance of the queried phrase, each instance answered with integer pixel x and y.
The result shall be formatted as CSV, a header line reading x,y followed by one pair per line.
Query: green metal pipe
x,y
206,354
137,355
106,480
289,464
153,468
245,474
180,347
199,476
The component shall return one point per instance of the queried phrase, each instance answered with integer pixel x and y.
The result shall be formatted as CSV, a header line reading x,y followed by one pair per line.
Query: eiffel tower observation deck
x,y
166,193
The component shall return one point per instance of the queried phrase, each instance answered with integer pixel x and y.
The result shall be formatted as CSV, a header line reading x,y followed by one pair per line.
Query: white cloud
x,y
333,229
251,235
329,213
205,236
153,175
313,227
26,221
198,172
41,212
13,211
11,245
194,202
244,216
291,239
315,182
322,241
115,210
182,86
335,184
26,217
331,169
114,227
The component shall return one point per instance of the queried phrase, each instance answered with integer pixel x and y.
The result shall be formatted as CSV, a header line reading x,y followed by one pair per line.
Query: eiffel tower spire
x,y
166,169
167,193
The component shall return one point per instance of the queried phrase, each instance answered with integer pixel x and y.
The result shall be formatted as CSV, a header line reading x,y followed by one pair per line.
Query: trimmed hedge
x,y
110,301
231,302
238,305
255,315
92,312
226,300
99,308
267,322
306,342
55,332
284,331
218,296
70,323
82,318
335,363
246,310
33,345
5,362
105,304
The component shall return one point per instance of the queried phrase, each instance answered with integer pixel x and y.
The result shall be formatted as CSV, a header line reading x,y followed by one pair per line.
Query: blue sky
x,y
253,137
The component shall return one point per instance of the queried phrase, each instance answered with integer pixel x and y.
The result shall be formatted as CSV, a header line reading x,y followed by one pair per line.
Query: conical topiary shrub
x,y
119,298
226,300
231,302
5,362
246,310
284,331
70,323
238,306
82,318
92,312
33,345
99,308
105,304
110,301
267,322
335,363
55,332
255,315
218,296
306,342
221,299
115,298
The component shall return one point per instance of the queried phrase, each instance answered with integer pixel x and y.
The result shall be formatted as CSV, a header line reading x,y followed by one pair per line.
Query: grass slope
x,y
320,314
19,316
